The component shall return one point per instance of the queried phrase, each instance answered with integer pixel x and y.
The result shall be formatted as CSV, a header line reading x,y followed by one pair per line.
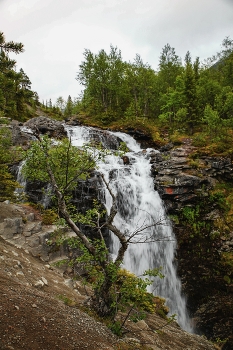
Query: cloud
x,y
56,32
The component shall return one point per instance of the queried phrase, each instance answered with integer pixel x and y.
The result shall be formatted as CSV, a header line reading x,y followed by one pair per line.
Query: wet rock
x,y
125,160
45,125
105,138
21,137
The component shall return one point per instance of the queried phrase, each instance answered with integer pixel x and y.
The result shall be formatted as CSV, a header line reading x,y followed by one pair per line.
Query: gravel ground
x,y
32,318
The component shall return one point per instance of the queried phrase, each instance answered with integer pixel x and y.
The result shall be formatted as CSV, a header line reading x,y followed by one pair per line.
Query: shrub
x,y
49,217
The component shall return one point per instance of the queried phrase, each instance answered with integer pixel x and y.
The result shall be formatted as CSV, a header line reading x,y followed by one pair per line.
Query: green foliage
x,y
200,140
49,217
194,164
128,293
8,184
4,120
116,89
67,301
15,87
8,155
67,163
213,121
186,98
191,217
69,108
190,214
219,198
116,328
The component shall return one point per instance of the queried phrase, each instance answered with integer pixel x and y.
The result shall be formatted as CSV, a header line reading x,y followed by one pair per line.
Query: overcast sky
x,y
56,32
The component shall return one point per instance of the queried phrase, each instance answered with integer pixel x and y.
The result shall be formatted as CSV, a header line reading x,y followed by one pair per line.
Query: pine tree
x,y
69,107
15,87
190,94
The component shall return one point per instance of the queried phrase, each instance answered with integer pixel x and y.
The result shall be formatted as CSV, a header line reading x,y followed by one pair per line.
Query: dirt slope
x,y
40,309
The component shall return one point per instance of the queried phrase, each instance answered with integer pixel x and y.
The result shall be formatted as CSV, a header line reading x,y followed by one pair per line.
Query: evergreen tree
x,y
15,87
190,94
69,107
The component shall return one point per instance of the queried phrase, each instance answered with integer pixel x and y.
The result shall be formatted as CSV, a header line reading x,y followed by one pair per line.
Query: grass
x,y
67,301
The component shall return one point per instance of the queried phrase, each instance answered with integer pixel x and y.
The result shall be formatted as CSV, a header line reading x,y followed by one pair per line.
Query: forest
x,y
182,97
188,97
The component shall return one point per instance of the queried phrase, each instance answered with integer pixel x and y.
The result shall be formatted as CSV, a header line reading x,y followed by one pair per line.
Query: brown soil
x,y
32,318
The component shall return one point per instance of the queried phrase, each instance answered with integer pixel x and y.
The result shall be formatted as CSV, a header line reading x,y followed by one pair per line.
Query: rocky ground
x,y
41,308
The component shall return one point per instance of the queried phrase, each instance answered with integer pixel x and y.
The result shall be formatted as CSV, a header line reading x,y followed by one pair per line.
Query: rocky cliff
x,y
195,190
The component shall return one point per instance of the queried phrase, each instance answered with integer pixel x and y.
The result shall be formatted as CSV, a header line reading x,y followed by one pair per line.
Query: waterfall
x,y
20,191
139,205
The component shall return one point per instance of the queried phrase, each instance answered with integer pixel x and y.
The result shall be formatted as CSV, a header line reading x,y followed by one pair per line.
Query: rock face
x,y
20,226
173,179
48,126
179,180
20,137
184,183
204,251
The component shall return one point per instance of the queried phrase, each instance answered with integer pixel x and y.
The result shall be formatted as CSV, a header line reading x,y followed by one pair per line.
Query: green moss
x,y
67,301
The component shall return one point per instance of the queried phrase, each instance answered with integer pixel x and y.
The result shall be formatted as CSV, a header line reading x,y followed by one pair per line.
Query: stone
x,y
142,325
36,251
30,217
21,137
131,340
125,160
44,280
69,283
39,284
45,125
33,241
31,228
14,253
10,227
48,266
19,274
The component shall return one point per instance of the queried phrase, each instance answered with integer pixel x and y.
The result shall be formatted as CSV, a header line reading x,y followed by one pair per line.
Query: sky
x,y
55,34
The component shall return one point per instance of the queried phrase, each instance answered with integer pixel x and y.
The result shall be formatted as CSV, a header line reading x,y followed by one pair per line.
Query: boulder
x,y
45,125
10,227
21,137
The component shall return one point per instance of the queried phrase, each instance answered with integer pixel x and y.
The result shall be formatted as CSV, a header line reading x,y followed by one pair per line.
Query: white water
x,y
139,205
19,192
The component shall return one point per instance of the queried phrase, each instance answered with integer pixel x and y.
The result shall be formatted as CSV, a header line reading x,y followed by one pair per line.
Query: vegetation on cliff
x,y
180,100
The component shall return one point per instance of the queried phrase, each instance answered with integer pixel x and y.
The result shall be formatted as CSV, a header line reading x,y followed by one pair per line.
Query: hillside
x,y
49,315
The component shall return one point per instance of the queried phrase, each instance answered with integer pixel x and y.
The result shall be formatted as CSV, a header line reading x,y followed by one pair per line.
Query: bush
x,y
49,217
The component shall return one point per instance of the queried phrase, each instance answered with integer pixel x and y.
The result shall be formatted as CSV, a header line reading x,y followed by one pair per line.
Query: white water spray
x,y
140,206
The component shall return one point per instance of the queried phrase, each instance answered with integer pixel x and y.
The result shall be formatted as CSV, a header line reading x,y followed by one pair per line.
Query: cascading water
x,y
140,210
19,192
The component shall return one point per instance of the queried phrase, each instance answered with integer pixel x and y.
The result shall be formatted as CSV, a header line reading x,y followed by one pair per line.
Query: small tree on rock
x,y
62,165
